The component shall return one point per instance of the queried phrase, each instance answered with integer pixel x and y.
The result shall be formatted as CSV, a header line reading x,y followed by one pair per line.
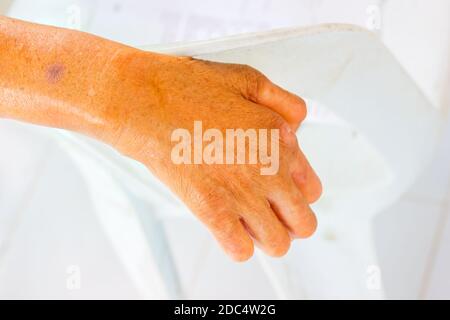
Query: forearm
x,y
60,78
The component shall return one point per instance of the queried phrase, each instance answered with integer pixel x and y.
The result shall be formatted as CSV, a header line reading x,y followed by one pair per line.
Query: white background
x,y
46,216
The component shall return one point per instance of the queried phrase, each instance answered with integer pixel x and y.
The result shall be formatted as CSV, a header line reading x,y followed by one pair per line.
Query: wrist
x,y
136,112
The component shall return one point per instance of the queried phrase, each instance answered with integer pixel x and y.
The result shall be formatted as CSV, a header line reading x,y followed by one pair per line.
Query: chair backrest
x,y
388,129
377,135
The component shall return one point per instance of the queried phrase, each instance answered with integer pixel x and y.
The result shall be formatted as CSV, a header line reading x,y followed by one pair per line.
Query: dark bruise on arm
x,y
58,77
54,73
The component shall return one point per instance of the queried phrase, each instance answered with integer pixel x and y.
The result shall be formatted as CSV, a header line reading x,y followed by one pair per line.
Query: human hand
x,y
236,202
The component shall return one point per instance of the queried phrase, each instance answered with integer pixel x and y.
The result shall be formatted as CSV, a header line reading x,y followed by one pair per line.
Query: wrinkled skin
x,y
238,204
133,100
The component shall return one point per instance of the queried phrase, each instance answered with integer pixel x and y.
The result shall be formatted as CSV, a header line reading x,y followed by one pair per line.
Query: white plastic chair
x,y
385,133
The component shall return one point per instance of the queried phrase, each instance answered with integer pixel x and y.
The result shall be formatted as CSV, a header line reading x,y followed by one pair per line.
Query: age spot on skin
x,y
54,73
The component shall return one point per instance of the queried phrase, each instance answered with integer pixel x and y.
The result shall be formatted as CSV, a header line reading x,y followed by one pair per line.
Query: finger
x,y
301,171
290,106
305,178
231,235
268,232
295,213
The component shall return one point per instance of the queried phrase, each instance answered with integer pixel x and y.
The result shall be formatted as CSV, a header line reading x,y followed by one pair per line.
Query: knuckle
x,y
304,108
307,227
252,81
287,137
211,202
315,193
301,111
243,254
211,198
247,70
225,227
276,121
279,250
303,221
279,246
